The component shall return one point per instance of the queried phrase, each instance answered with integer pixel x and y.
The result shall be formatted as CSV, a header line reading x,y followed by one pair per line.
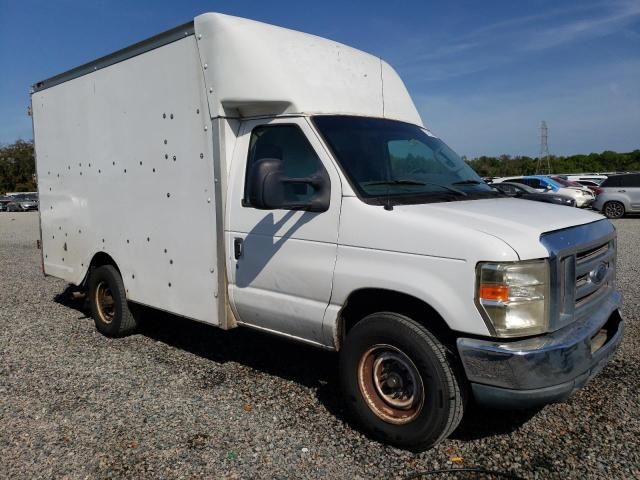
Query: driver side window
x,y
288,144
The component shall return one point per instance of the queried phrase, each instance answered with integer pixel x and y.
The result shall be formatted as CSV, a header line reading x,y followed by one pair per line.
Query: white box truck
x,y
241,174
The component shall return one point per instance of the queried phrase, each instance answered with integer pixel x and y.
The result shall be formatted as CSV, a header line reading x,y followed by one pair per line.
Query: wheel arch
x,y
99,259
365,301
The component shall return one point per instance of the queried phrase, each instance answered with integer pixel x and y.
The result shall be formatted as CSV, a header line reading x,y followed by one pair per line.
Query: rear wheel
x,y
400,382
613,209
108,300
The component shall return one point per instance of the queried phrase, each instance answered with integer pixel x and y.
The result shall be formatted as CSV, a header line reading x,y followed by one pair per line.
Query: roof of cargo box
x,y
256,68
253,68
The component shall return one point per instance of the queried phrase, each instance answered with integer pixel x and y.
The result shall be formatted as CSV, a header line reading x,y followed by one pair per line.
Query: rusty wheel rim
x,y
391,384
105,303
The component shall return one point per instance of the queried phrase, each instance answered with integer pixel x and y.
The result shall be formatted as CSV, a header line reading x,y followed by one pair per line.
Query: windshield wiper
x,y
395,182
413,182
467,182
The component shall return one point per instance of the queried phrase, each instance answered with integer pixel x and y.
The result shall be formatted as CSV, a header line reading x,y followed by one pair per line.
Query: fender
x,y
446,285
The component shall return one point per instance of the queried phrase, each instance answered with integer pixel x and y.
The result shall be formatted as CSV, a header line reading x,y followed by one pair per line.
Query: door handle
x,y
237,247
622,191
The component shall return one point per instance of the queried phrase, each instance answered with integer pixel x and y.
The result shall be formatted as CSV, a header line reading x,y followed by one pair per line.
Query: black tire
x,y
613,209
426,422
108,301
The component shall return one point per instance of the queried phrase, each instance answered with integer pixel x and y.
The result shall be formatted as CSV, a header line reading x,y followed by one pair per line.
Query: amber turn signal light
x,y
494,292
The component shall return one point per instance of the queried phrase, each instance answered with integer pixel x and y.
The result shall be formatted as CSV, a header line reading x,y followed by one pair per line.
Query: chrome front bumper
x,y
544,369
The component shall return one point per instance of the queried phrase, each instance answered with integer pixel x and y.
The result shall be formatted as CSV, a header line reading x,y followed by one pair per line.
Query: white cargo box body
x,y
125,167
132,149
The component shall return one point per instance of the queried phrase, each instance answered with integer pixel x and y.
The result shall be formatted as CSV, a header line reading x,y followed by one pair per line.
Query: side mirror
x,y
270,189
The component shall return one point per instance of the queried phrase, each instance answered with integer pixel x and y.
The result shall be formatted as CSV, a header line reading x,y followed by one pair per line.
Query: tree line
x,y
17,165
607,161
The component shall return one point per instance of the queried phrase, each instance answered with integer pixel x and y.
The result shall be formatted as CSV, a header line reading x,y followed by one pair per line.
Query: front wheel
x,y
613,209
400,382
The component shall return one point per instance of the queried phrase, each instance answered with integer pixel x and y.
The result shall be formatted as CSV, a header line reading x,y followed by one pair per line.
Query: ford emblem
x,y
597,274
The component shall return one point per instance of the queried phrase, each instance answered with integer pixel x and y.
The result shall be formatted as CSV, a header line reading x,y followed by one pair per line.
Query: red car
x,y
593,186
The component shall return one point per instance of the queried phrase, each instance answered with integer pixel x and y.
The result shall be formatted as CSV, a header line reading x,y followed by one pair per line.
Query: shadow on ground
x,y
308,366
480,422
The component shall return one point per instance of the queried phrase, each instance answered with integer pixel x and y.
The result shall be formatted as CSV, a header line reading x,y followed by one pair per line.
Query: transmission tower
x,y
544,162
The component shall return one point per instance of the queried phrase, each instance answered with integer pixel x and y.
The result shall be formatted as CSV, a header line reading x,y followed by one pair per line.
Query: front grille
x,y
589,298
592,252
594,267
582,261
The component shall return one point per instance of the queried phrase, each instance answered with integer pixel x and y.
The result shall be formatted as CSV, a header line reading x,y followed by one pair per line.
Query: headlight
x,y
514,297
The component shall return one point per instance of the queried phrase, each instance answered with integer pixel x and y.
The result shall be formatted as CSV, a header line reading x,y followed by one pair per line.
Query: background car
x,y
591,185
525,192
620,195
598,179
3,203
22,203
572,184
542,183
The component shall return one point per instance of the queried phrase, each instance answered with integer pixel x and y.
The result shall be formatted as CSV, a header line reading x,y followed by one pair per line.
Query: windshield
x,y
387,160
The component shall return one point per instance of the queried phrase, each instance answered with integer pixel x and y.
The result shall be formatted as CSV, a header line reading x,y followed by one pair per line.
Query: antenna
x,y
544,162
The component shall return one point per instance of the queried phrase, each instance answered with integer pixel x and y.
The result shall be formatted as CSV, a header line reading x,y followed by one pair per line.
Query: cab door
x,y
281,258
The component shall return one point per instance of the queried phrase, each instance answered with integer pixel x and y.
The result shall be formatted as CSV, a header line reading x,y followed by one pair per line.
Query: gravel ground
x,y
183,400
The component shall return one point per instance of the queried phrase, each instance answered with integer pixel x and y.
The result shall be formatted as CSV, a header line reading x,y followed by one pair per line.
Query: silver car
x,y
620,194
4,201
22,203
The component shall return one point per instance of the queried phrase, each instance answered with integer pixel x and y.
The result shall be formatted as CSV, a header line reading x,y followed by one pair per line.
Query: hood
x,y
517,222
500,229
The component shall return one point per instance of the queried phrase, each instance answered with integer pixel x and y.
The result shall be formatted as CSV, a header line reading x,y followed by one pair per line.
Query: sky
x,y
483,75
